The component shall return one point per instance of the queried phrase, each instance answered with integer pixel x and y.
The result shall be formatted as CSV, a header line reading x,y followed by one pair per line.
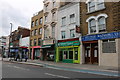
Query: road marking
x,y
18,67
57,75
86,71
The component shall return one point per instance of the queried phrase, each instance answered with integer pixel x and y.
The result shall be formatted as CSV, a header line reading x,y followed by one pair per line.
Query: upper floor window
x,y
32,24
30,42
97,24
32,33
72,33
40,31
53,31
40,20
45,18
92,26
63,35
36,22
35,32
101,24
35,42
94,5
39,41
63,21
72,18
53,3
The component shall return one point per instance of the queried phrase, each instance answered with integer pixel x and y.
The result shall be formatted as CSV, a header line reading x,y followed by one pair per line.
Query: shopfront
x,y
36,52
48,52
101,49
68,51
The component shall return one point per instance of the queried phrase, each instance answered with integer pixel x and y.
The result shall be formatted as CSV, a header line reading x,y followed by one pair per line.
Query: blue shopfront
x,y
91,45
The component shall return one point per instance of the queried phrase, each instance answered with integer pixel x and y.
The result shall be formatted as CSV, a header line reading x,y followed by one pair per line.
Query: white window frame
x,y
63,22
96,18
40,30
53,31
63,35
72,19
72,31
96,5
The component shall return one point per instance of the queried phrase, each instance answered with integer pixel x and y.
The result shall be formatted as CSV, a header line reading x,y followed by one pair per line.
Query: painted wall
x,y
24,41
66,11
50,18
108,59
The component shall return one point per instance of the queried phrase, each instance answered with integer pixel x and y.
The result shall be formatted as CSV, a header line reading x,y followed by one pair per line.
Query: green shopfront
x,y
68,51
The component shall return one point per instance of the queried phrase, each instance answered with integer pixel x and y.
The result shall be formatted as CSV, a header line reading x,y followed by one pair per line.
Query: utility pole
x,y
10,36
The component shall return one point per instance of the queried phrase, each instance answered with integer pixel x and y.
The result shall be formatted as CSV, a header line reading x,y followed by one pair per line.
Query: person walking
x,y
26,57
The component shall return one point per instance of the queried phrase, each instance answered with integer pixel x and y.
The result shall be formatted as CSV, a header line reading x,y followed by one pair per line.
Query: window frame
x,y
72,33
63,36
36,22
63,21
40,20
96,5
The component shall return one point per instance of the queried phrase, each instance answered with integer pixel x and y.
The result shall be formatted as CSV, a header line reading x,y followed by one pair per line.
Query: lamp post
x,y
10,36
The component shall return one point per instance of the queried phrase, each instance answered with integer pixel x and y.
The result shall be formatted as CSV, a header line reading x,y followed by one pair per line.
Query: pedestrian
x,y
26,57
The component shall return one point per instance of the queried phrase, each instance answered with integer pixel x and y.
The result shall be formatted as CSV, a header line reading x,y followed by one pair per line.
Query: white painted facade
x,y
48,31
24,41
66,11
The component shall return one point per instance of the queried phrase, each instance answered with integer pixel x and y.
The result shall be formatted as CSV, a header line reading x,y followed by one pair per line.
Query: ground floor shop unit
x,y
48,52
68,51
101,49
36,52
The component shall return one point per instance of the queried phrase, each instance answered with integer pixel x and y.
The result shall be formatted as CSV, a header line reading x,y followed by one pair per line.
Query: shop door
x,y
60,55
76,60
94,53
87,53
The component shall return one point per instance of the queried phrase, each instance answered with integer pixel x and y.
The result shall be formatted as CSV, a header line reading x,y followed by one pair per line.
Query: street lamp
x,y
10,36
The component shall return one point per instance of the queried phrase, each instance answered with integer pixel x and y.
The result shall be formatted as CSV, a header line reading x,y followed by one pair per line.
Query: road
x,y
15,70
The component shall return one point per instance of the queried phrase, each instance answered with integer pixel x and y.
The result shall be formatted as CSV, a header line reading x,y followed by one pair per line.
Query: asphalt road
x,y
15,70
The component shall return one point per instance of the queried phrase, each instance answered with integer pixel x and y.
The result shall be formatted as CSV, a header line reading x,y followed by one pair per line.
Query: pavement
x,y
84,68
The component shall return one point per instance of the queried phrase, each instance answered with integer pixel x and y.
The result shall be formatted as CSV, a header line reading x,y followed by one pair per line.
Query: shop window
x,y
65,55
70,54
109,46
76,55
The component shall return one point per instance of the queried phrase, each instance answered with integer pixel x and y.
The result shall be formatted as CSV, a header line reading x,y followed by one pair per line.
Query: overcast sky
x,y
17,12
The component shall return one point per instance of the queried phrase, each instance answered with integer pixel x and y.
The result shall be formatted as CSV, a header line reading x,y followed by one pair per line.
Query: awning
x,y
36,46
23,47
47,46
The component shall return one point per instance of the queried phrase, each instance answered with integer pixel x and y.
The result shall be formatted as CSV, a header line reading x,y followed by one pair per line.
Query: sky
x,y
17,12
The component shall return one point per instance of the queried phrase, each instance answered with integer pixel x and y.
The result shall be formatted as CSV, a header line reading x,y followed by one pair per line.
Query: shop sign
x,y
69,43
101,36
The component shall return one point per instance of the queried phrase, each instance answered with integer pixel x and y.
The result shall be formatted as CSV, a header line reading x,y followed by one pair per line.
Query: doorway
x,y
91,53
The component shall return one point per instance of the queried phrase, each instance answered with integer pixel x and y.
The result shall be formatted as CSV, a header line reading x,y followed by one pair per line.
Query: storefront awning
x,y
36,46
23,47
47,46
